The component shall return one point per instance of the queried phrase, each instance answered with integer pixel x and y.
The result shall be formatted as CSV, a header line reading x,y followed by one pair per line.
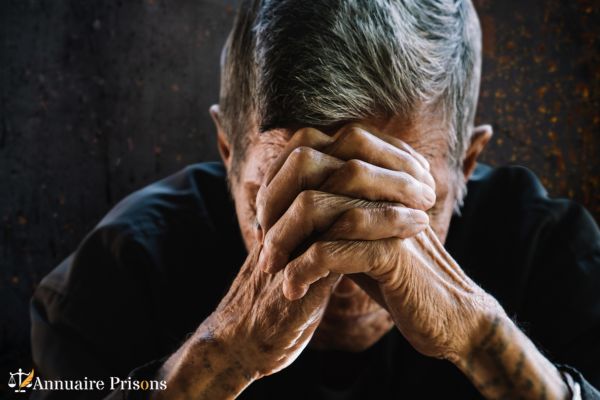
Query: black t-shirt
x,y
153,269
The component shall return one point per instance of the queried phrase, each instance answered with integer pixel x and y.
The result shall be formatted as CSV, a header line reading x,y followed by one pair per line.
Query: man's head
x,y
407,68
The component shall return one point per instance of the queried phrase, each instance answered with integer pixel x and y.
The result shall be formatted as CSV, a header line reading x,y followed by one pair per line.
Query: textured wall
x,y
541,91
98,98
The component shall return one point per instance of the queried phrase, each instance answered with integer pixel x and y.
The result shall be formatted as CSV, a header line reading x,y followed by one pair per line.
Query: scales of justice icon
x,y
12,382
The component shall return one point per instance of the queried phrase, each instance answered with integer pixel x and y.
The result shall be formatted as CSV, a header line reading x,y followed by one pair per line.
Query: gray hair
x,y
294,63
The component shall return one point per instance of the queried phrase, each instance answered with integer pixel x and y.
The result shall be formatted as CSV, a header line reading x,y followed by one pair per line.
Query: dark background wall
x,y
98,98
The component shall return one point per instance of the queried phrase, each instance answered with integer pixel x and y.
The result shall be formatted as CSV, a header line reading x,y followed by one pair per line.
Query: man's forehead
x,y
424,133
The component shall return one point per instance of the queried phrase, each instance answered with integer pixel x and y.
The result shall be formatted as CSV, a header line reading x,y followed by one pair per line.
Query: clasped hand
x,y
354,203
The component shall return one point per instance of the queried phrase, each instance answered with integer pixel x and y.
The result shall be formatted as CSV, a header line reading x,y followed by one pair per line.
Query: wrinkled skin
x,y
353,320
344,231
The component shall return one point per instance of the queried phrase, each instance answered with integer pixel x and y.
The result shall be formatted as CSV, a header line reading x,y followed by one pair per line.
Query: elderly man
x,y
346,132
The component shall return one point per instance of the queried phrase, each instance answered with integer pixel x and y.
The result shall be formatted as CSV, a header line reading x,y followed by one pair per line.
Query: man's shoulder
x,y
511,204
511,184
514,194
150,268
171,220
510,229
197,191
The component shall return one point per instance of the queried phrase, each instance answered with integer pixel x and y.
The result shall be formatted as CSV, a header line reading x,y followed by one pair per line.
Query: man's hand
x,y
255,331
353,163
353,203
366,219
329,211
268,330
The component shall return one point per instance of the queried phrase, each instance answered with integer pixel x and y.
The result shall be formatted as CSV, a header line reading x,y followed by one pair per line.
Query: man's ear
x,y
479,139
222,140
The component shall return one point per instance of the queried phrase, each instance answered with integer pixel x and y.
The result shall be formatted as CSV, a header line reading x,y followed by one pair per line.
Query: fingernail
x,y
420,217
428,195
294,293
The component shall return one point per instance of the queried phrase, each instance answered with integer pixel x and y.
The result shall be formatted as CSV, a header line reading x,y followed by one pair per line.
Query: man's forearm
x,y
203,368
505,364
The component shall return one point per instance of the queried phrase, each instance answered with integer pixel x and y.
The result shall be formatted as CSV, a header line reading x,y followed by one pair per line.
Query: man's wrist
x,y
485,324
503,362
225,338
485,328
206,366
225,357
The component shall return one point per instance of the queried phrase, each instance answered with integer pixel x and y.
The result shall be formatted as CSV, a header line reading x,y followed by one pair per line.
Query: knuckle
x,y
410,186
354,126
354,168
290,274
354,216
405,223
270,241
356,219
355,135
307,199
302,155
318,253
412,164
411,215
304,135
405,179
404,182
390,213
350,221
